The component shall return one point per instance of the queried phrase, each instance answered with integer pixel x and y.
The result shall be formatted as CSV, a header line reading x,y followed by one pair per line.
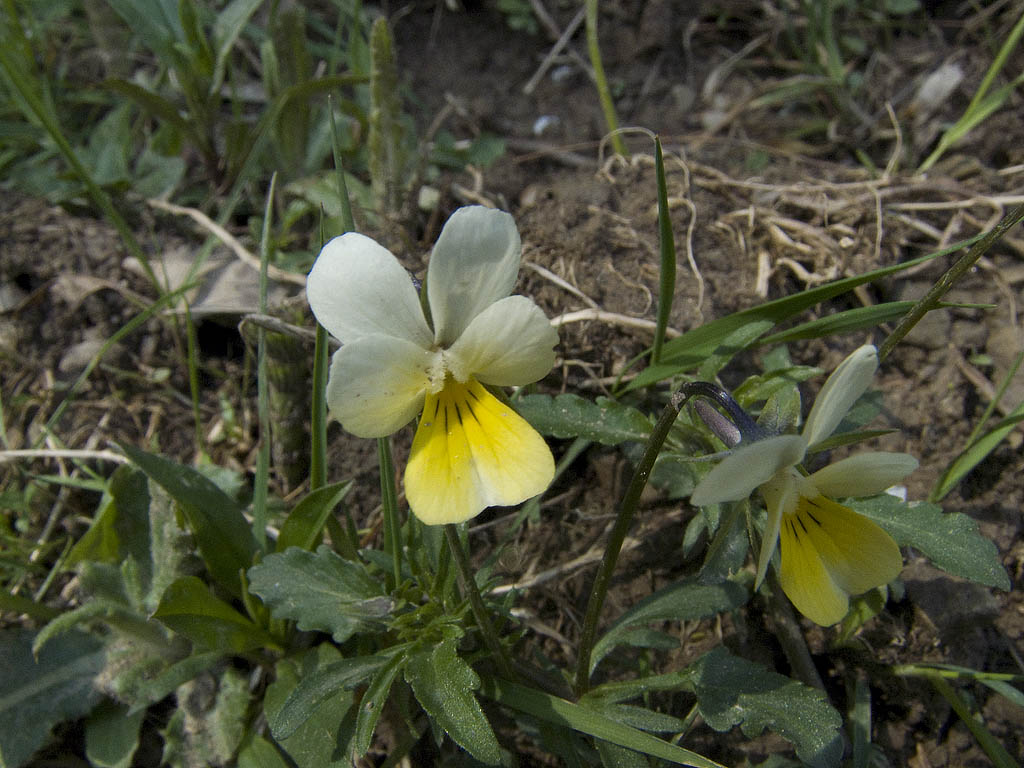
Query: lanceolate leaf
x,y
322,741
320,591
604,421
976,452
950,540
567,714
444,683
222,534
190,609
306,521
315,688
691,349
685,600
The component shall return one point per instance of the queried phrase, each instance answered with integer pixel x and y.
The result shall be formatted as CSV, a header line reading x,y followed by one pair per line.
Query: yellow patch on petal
x,y
472,451
830,552
805,580
859,554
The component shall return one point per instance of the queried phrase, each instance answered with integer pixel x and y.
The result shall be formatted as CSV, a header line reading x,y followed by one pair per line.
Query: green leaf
x,y
190,609
318,686
733,691
614,756
222,534
112,735
444,683
372,704
950,540
976,452
154,21
848,321
260,753
764,386
320,741
121,526
211,733
683,601
604,421
172,677
321,591
306,521
640,718
36,694
152,103
553,709
226,28
692,348
728,549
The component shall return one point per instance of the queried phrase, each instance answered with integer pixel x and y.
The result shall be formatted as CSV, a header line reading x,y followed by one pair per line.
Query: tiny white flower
x,y
827,551
470,450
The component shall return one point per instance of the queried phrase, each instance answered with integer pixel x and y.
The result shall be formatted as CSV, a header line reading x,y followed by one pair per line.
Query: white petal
x,y
474,263
739,473
510,343
841,390
863,474
780,496
377,384
357,288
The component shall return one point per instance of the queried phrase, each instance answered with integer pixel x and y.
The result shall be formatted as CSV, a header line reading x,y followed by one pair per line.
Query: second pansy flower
x,y
827,551
470,450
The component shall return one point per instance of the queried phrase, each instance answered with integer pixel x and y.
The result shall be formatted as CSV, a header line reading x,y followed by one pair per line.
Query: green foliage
x,y
191,610
443,684
950,540
321,591
321,739
589,720
189,592
43,690
684,601
983,103
733,691
222,534
112,735
604,420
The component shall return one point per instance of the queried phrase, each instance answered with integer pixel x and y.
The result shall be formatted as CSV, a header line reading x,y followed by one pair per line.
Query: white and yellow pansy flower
x,y
470,450
827,551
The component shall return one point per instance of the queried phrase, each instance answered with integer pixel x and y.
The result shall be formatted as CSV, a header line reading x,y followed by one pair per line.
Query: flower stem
x,y
949,279
476,602
389,502
792,640
599,589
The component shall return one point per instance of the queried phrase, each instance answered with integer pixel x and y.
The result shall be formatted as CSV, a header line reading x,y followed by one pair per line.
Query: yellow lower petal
x,y
472,451
859,554
829,551
805,580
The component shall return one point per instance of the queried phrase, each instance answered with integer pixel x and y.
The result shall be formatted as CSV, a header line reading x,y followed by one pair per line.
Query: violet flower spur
x,y
470,450
827,551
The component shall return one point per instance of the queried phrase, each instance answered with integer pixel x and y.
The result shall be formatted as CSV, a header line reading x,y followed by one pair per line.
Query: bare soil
x,y
760,210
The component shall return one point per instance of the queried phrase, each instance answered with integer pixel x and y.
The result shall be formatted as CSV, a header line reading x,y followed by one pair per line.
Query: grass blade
x,y
553,709
667,274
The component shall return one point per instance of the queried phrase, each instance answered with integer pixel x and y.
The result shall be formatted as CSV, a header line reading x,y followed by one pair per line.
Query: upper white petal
x,y
357,288
474,263
509,344
377,384
863,474
841,390
739,473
